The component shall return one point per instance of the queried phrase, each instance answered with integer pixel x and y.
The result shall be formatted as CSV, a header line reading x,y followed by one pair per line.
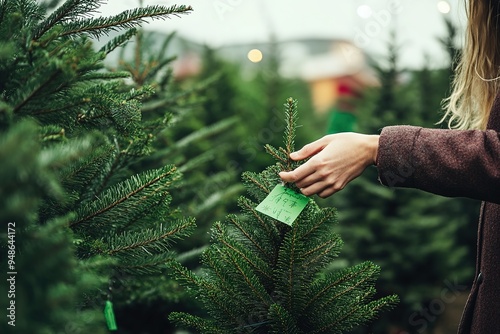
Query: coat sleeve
x,y
453,163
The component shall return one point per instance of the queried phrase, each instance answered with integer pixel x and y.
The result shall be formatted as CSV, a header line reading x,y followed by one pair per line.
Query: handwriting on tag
x,y
283,204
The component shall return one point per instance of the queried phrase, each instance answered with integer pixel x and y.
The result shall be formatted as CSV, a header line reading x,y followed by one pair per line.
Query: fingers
x,y
298,174
322,189
309,180
310,149
304,175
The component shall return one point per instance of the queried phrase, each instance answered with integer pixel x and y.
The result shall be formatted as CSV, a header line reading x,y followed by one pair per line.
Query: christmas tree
x,y
87,225
261,275
148,58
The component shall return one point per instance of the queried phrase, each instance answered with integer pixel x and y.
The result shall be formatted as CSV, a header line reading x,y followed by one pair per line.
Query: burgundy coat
x,y
456,163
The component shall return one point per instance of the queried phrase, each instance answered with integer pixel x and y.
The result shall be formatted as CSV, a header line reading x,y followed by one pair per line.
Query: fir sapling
x,y
260,275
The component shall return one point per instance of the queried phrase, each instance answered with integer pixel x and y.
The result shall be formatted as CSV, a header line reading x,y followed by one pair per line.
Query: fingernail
x,y
293,155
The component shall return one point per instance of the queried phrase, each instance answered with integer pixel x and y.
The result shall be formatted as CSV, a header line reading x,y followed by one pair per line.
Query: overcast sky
x,y
220,22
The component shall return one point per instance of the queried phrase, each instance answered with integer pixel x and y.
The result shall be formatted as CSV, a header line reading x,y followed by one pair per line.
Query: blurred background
x,y
355,65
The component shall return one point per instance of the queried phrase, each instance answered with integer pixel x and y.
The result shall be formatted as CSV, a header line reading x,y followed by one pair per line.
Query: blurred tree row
x,y
90,228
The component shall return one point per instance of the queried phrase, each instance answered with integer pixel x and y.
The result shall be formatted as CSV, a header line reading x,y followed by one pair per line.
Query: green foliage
x,y
262,276
49,287
251,101
88,225
192,148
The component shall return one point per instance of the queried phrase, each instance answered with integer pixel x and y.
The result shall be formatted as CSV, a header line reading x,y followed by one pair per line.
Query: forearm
x,y
446,162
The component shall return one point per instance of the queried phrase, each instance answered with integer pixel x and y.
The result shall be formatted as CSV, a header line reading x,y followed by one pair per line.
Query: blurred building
x,y
335,69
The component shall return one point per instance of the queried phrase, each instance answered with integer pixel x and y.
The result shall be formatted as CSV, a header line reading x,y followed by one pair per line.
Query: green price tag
x,y
283,204
110,316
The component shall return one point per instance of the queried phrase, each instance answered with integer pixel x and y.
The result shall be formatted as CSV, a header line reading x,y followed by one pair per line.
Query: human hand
x,y
335,161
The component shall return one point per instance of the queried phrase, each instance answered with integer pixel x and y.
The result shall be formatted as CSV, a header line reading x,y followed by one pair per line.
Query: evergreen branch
x,y
326,248
201,134
300,297
86,169
254,180
173,98
290,270
284,322
202,325
200,285
207,131
148,238
252,286
68,11
236,223
156,208
49,4
222,239
324,217
122,109
218,197
196,283
327,328
61,108
258,292
225,285
358,312
166,43
143,265
36,90
167,171
276,154
291,115
250,207
189,255
118,41
104,76
341,279
117,162
358,270
125,20
153,71
209,258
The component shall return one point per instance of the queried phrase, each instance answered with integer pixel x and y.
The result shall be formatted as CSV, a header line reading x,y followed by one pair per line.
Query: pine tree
x,y
194,151
260,275
199,139
87,225
47,287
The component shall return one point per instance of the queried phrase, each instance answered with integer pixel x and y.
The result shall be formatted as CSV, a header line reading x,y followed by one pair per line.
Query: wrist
x,y
373,143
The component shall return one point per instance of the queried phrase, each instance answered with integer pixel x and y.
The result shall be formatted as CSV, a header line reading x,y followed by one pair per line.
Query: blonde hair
x,y
477,77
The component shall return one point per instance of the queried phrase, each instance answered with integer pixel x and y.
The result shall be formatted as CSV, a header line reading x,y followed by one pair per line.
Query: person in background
x,y
463,161
342,116
337,80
